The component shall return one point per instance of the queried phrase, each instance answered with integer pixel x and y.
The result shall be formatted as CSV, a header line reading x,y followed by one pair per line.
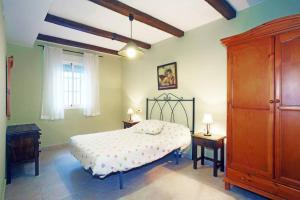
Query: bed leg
x,y
121,180
177,156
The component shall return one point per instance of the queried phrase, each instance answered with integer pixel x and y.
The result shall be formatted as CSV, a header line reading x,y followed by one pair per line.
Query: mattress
x,y
122,150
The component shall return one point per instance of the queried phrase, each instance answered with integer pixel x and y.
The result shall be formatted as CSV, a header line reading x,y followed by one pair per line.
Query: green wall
x,y
2,103
27,97
201,62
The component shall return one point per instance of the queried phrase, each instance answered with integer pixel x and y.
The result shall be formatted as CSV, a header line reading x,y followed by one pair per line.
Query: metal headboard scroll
x,y
171,101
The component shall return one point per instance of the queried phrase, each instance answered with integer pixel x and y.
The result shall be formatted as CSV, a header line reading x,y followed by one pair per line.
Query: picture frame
x,y
9,66
167,76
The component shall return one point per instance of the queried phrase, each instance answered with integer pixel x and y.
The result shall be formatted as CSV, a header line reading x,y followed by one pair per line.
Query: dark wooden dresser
x,y
22,145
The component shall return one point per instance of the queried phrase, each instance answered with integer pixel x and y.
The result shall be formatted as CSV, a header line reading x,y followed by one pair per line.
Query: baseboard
x,y
56,146
186,154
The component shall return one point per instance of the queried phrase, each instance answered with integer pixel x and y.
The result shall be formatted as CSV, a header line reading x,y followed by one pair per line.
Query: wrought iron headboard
x,y
172,102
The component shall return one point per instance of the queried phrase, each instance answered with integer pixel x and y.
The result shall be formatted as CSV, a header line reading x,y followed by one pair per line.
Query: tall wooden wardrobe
x,y
263,109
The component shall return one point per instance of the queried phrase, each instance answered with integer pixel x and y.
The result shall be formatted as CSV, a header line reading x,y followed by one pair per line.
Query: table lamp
x,y
208,120
130,112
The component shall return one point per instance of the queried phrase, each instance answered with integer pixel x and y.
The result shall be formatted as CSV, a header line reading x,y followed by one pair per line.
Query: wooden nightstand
x,y
26,138
214,142
128,124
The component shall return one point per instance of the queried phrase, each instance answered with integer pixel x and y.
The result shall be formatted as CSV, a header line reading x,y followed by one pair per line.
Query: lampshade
x,y
131,50
130,111
207,118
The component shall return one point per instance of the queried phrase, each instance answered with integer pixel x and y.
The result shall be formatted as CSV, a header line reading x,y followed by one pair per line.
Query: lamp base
x,y
130,118
207,134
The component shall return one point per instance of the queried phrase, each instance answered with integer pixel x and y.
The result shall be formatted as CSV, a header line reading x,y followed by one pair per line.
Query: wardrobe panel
x,y
251,108
290,71
290,147
287,124
253,74
252,141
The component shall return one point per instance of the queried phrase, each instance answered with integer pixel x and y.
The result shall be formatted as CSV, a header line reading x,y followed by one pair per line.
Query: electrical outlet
x,y
138,110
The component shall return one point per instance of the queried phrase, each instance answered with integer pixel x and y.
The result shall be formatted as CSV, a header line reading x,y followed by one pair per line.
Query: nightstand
x,y
24,137
128,124
214,142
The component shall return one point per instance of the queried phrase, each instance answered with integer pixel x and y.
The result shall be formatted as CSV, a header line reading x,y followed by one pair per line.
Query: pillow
x,y
175,129
152,127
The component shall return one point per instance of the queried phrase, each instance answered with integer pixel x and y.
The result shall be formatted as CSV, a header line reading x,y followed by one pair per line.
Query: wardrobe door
x,y
250,107
288,109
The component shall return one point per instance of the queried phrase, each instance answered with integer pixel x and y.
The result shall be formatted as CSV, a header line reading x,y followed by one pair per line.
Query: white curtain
x,y
90,85
53,90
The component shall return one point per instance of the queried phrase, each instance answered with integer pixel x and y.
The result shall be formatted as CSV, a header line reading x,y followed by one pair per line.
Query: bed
x,y
122,150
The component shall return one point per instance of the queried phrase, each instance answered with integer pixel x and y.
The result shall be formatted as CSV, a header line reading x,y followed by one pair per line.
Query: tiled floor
x,y
62,178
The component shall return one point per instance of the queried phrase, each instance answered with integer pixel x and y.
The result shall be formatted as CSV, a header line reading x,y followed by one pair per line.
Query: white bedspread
x,y
122,150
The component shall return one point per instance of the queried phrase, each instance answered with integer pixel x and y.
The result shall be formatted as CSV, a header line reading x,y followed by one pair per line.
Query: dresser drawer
x,y
253,181
268,186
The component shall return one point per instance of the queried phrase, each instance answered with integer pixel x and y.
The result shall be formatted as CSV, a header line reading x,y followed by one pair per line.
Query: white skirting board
x,y
56,146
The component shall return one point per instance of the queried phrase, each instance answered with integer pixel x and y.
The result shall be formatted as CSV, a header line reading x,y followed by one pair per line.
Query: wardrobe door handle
x,y
274,101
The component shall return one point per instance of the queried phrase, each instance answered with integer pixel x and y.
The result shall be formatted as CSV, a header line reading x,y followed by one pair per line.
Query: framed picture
x,y
9,66
167,76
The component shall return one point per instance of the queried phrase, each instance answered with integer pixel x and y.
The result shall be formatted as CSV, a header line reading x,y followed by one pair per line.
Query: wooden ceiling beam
x,y
92,30
124,9
72,43
223,7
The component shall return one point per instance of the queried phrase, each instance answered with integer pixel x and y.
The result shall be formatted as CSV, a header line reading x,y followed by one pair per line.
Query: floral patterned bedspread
x,y
122,150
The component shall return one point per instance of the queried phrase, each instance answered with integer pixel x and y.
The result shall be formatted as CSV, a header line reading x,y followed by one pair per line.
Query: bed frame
x,y
168,103
171,101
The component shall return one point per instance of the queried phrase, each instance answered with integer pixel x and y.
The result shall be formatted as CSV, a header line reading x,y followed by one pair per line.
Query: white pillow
x,y
175,129
152,127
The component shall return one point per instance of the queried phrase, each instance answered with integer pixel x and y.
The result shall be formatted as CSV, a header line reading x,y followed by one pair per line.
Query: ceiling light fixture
x,y
131,50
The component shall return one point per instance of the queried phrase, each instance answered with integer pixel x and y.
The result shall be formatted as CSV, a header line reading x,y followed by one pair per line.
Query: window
x,y
72,85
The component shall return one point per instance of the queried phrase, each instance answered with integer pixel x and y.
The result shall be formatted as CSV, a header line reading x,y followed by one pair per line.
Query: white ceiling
x,y
25,19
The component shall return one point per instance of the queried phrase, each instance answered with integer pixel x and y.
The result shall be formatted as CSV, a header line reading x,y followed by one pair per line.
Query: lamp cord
x,y
131,29
131,17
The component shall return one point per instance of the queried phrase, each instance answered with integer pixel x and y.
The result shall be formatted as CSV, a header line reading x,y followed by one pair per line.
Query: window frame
x,y
79,106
